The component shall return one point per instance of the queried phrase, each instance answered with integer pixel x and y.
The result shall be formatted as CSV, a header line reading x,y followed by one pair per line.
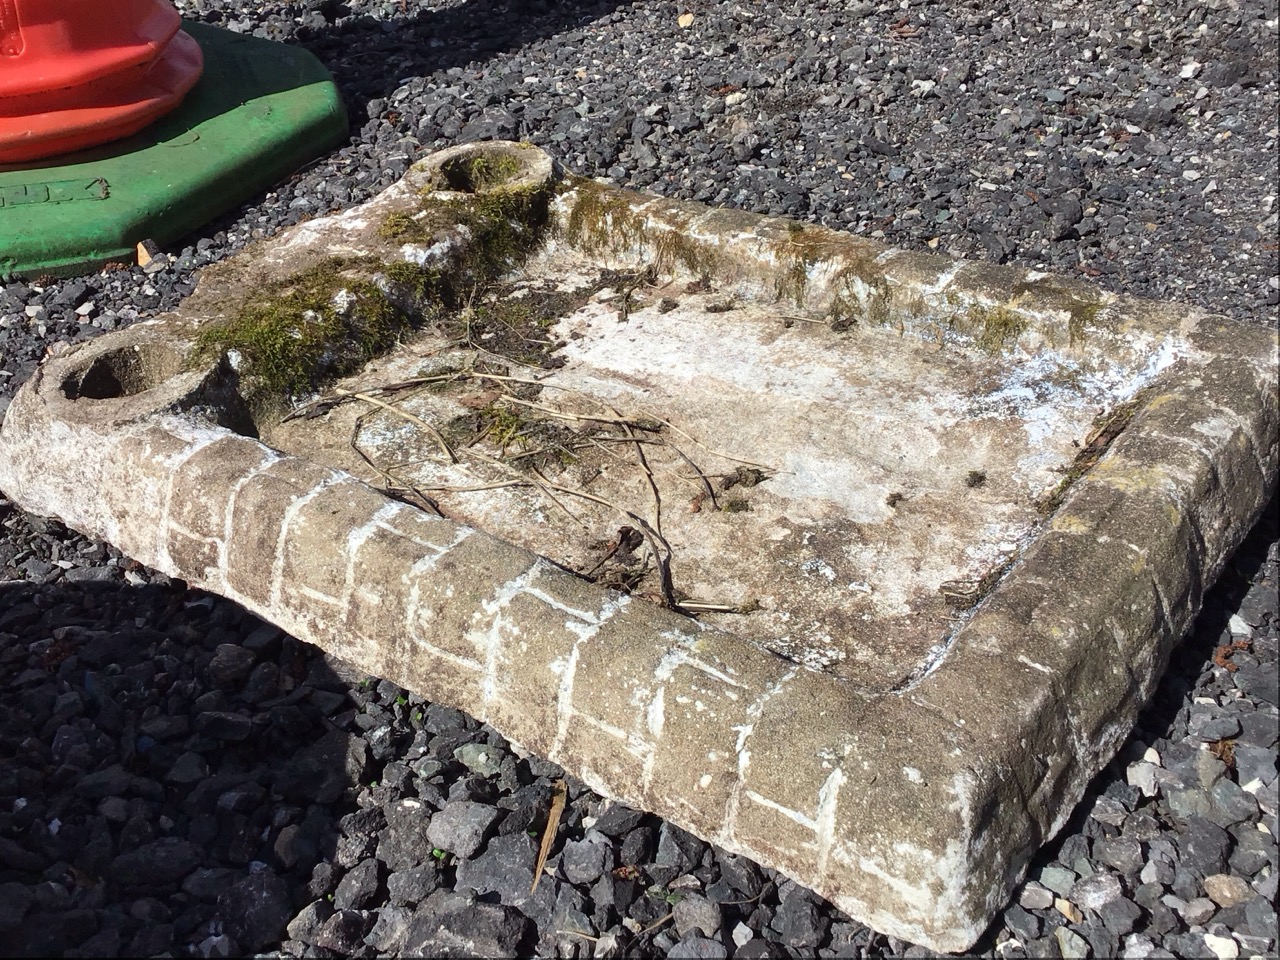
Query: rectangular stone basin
x,y
855,561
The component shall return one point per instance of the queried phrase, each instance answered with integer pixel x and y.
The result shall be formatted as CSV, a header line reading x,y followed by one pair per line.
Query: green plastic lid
x,y
261,110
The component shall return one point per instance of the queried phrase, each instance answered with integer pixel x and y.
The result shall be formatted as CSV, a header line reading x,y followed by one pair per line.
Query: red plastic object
x,y
77,73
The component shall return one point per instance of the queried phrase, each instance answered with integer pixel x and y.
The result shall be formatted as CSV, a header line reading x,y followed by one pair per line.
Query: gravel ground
x,y
180,779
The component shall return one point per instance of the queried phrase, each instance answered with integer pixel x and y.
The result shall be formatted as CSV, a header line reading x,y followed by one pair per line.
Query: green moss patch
x,y
995,328
320,325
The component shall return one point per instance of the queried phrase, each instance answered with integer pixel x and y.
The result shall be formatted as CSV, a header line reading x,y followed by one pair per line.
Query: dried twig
x,y
391,408
715,453
699,606
655,925
661,548
549,832
393,484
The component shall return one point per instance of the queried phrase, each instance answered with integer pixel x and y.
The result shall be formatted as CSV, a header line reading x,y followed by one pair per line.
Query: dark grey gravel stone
x,y
358,886
1122,854
583,861
1120,916
618,820
209,883
1204,847
305,927
224,725
450,925
462,826
163,861
413,884
694,913
390,930
343,932
256,909
190,767
112,781
798,921
1026,926
504,869
406,842
695,947
15,900
230,665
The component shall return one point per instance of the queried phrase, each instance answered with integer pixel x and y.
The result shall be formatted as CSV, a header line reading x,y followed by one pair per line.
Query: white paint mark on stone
x,y
754,712
912,774
292,511
356,539
490,640
655,716
825,821
793,815
1032,664
565,710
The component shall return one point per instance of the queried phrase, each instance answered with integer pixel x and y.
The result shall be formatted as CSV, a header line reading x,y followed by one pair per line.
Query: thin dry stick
x,y
549,833
657,419
599,442
473,488
653,484
522,479
655,925
657,542
565,415
578,933
391,481
333,399
791,316
430,428
711,450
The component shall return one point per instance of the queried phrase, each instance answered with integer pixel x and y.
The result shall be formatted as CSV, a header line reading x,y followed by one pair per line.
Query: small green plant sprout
x,y
661,893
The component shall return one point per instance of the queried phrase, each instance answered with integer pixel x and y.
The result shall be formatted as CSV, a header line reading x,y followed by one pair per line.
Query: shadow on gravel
x,y
171,771
370,58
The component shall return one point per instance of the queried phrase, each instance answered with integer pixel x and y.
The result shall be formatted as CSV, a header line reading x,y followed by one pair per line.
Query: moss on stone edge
x,y
994,328
317,326
603,220
299,334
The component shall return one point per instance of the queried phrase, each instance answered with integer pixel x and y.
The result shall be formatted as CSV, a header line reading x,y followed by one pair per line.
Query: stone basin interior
x,y
842,497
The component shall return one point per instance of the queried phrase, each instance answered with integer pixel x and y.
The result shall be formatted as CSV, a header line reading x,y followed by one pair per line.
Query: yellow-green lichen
x,y
1081,304
860,292
601,219
994,328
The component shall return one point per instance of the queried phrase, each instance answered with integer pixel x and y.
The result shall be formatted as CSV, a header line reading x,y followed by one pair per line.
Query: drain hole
x,y
482,169
123,373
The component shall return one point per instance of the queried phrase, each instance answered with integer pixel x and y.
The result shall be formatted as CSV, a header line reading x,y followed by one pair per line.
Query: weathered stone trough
x,y
856,561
